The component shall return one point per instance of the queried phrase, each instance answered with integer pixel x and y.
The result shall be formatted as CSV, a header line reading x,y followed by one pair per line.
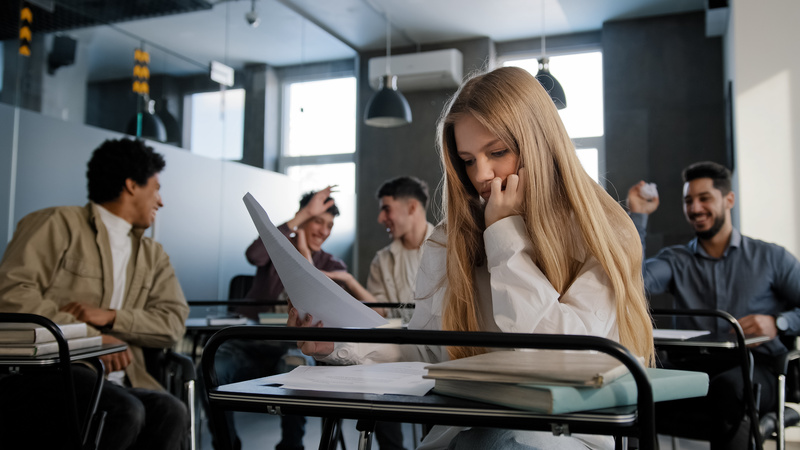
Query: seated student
x,y
240,360
529,244
92,264
393,271
755,281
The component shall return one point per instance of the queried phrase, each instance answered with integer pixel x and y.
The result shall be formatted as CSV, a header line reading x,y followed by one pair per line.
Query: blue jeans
x,y
240,360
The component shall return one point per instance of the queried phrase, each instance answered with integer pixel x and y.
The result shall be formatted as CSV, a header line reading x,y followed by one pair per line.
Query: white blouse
x,y
513,296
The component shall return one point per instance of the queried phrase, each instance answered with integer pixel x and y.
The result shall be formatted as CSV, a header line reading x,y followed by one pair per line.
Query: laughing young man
x,y
755,281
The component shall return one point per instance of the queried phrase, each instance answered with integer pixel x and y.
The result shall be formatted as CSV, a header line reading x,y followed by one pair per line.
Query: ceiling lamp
x,y
146,124
547,80
387,108
252,17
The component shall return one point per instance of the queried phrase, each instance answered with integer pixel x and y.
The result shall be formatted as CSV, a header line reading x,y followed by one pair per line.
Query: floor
x,y
263,431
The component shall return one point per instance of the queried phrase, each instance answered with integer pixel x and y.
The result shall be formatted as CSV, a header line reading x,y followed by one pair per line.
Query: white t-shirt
x,y
119,239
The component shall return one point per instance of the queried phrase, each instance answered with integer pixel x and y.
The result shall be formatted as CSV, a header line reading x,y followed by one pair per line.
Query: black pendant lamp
x,y
546,79
146,124
387,108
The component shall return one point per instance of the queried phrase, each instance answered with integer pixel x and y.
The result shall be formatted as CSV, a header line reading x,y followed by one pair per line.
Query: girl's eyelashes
x,y
499,153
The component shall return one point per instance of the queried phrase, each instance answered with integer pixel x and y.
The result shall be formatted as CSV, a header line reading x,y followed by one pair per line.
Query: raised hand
x,y
505,202
316,206
638,203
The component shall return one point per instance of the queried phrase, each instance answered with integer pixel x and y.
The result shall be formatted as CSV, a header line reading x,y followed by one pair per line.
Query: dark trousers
x,y
240,360
32,417
720,416
389,435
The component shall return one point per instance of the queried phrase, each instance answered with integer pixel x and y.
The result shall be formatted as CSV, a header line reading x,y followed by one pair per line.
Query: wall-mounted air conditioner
x,y
440,69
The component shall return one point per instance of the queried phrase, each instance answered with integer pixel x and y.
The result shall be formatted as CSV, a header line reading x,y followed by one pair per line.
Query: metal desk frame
x,y
620,422
62,362
739,344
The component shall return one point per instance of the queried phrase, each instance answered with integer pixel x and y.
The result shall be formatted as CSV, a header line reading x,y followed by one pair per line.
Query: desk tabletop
x,y
718,340
256,396
52,358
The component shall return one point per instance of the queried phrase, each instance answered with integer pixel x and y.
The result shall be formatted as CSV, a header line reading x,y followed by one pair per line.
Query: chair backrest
x,y
240,286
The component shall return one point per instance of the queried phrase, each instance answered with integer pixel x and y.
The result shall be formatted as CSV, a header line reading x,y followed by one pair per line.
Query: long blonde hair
x,y
512,105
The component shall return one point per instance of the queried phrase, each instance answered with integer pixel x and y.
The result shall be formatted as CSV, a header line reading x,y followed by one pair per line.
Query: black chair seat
x,y
769,422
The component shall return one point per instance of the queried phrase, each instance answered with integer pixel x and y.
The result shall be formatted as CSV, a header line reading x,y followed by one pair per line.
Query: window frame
x,y
285,161
598,142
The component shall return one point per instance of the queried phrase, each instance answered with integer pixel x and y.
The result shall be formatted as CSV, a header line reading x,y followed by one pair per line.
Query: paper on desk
x,y
403,378
678,334
309,289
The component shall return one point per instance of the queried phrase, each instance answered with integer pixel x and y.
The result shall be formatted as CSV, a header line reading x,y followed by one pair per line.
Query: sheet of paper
x,y
678,334
404,378
309,289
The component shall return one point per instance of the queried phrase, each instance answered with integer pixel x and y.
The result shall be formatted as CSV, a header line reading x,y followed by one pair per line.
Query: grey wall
x,y
385,153
664,109
204,226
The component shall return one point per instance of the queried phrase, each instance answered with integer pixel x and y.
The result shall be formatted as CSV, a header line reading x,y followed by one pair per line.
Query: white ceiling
x,y
305,31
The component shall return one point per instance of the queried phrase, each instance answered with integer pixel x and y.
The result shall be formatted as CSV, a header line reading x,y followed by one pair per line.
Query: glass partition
x,y
83,82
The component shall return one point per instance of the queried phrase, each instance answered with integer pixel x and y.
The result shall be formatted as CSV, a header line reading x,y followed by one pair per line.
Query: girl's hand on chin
x,y
505,202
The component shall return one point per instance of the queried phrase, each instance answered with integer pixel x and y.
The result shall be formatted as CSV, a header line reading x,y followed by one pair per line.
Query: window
x,y
320,133
319,144
581,76
216,123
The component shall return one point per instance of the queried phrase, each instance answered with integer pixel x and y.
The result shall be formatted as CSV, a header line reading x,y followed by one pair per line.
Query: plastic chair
x,y
240,286
176,373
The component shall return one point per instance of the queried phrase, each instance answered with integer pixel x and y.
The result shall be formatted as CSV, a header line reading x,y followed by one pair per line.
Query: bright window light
x,y
581,76
318,176
322,117
217,129
589,161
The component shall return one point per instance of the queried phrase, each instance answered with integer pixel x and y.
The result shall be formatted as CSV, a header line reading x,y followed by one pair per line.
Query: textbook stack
x,y
557,382
26,339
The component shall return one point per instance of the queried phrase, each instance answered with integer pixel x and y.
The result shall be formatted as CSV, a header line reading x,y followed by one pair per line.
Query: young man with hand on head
x,y
239,360
92,264
755,281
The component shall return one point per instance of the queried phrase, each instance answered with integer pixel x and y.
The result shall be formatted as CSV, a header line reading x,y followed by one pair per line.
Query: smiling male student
x,y
755,281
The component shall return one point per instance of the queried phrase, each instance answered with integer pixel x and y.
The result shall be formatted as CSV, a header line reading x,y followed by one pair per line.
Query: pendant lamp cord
x,y
544,52
388,42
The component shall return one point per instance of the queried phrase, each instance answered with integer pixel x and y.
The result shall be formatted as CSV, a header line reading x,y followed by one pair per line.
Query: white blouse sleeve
x,y
524,301
429,295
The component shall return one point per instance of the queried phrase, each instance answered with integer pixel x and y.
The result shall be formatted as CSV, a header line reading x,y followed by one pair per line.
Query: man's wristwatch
x,y
781,323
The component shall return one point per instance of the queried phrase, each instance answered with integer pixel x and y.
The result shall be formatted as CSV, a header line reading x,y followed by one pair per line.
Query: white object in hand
x,y
648,191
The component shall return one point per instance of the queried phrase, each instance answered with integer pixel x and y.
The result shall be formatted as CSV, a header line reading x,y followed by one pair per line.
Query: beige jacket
x,y
62,254
385,282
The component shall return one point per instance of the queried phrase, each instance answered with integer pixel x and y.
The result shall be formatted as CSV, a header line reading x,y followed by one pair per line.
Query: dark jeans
x,y
720,416
389,435
32,415
240,360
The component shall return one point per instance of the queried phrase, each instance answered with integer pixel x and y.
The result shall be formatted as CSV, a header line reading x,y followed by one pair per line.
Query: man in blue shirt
x,y
755,281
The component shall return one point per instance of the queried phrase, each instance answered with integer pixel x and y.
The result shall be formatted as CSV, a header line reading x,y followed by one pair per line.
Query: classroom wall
x,y
766,75
664,109
203,226
385,153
